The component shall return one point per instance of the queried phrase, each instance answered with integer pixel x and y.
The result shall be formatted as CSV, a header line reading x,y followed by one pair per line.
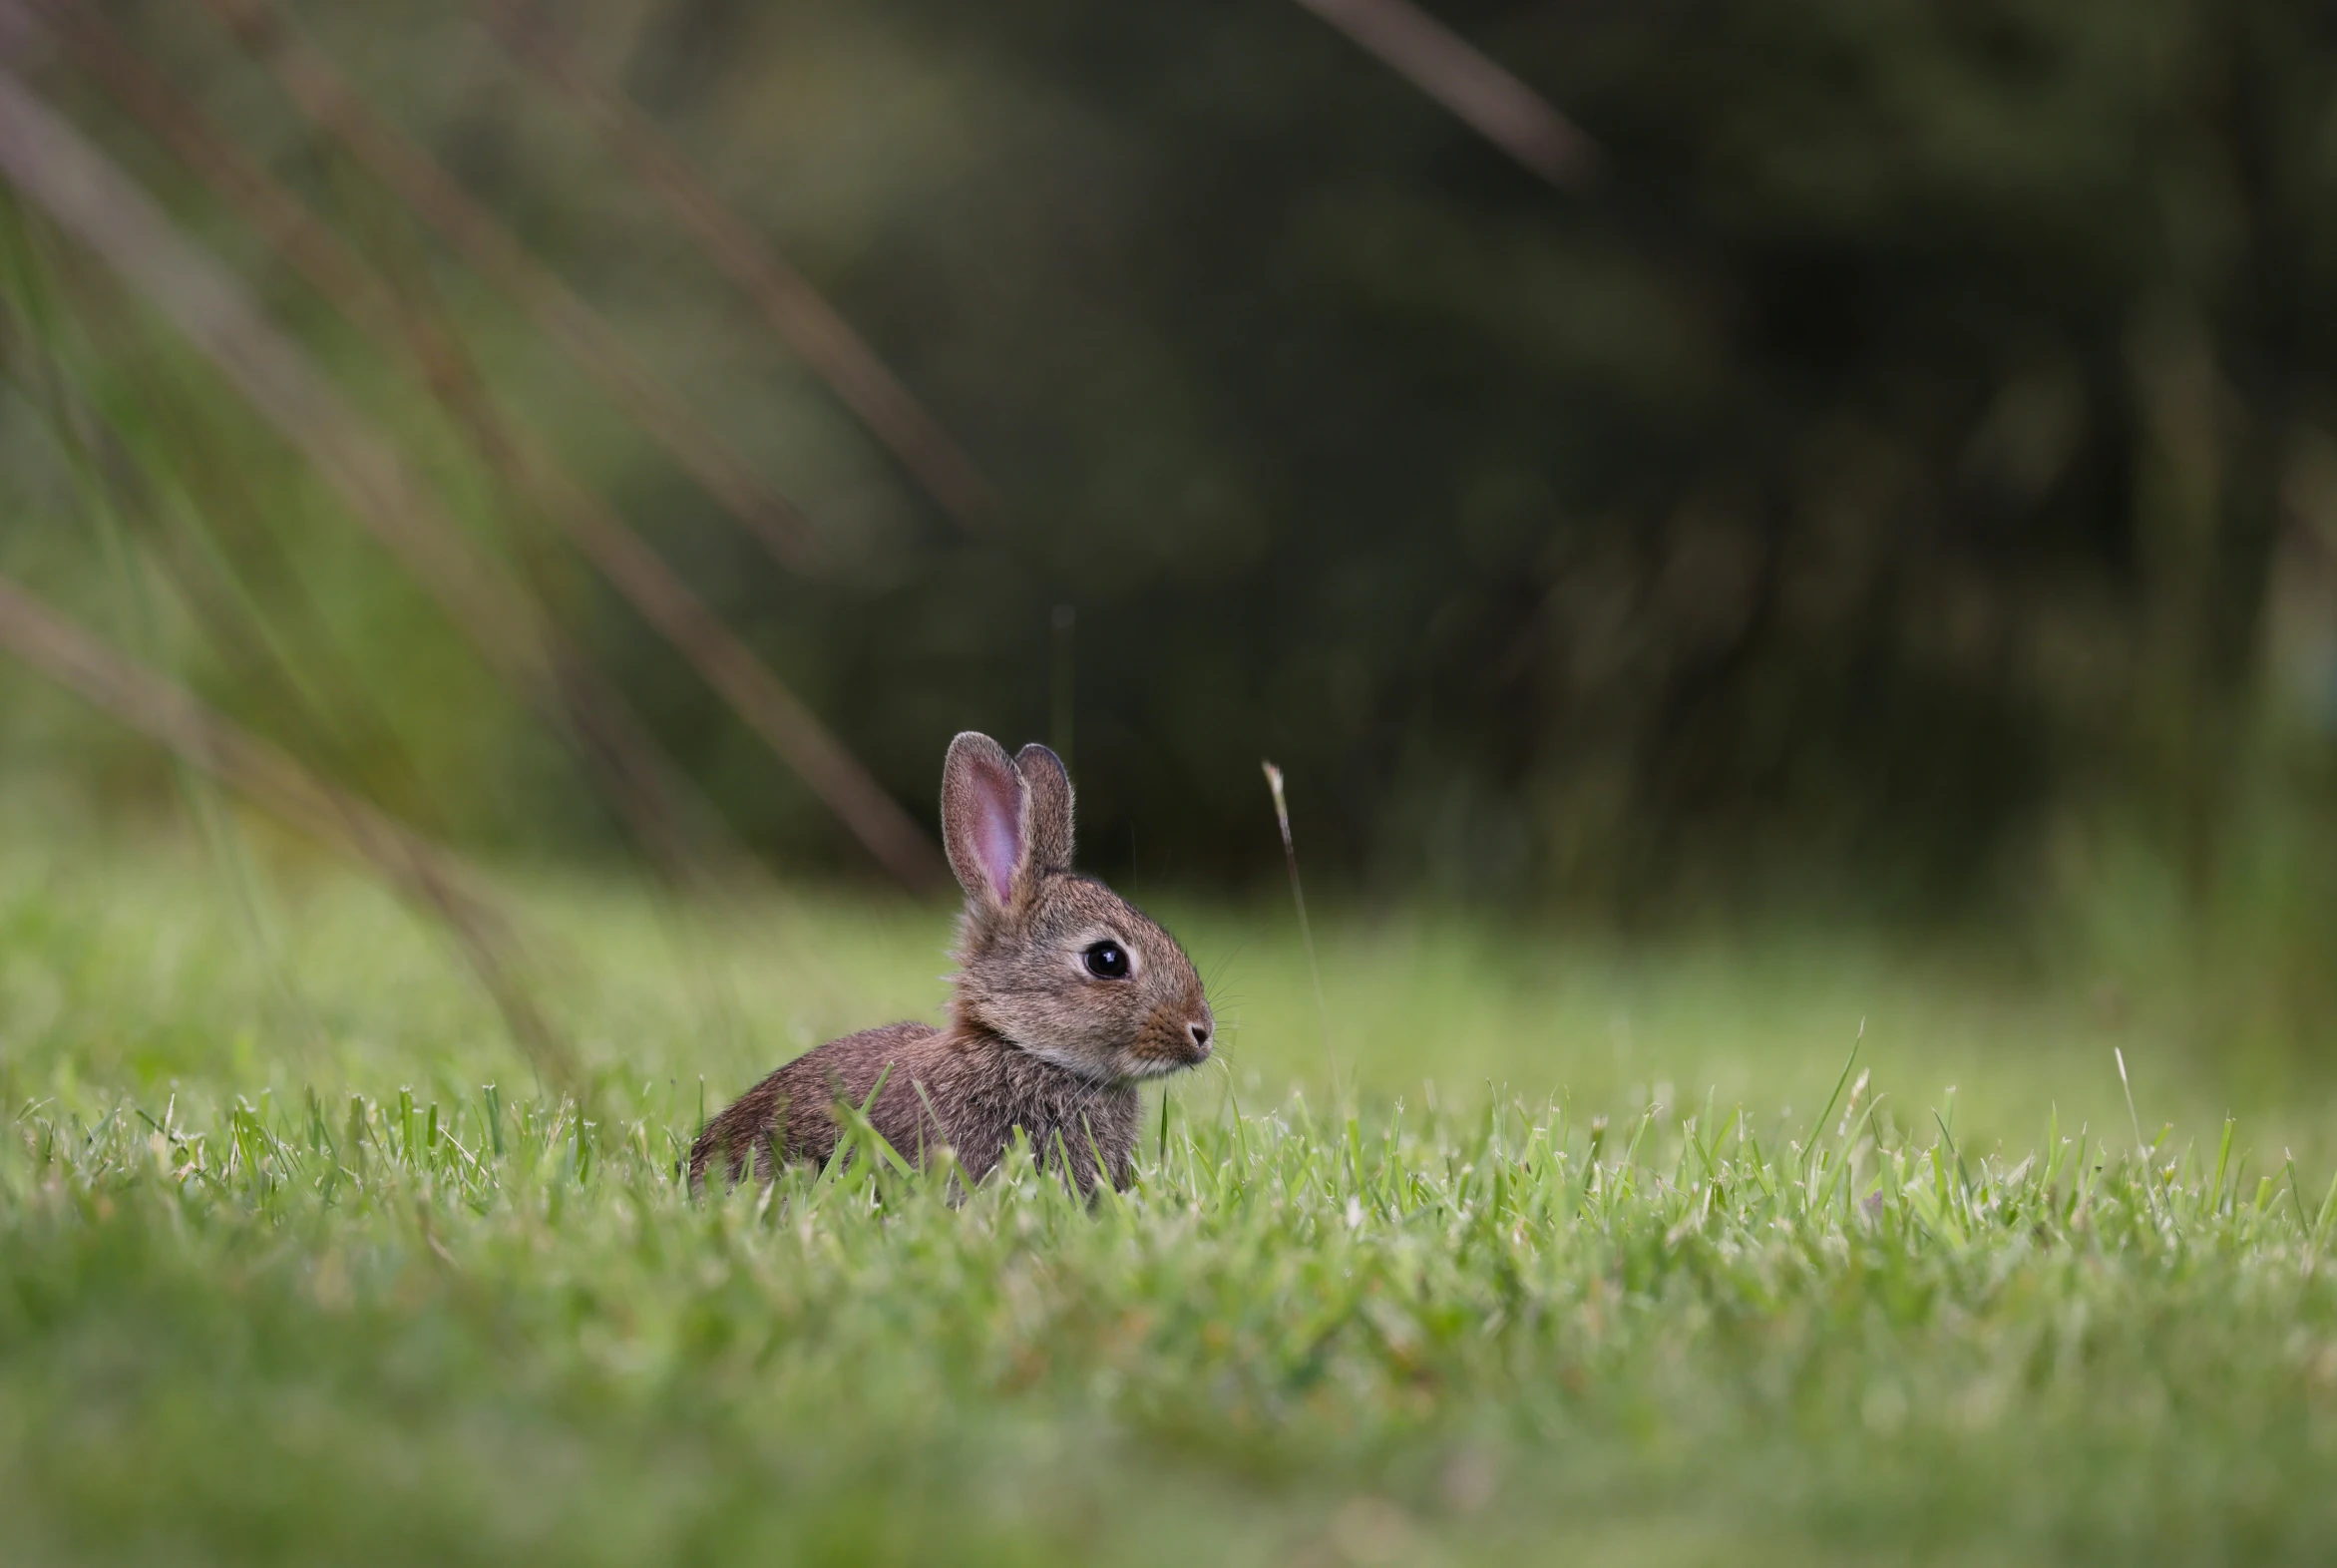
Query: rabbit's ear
x,y
1051,806
986,820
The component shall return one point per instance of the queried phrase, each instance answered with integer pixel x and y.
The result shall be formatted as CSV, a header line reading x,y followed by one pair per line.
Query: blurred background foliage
x,y
1906,480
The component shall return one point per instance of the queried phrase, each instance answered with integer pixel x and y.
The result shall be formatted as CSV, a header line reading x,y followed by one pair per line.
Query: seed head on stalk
x,y
1290,855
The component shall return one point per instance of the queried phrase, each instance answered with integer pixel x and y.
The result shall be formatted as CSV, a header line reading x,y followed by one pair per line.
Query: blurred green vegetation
x,y
1907,478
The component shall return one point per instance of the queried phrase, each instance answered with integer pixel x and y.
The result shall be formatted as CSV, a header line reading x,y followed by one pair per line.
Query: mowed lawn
x,y
1593,1253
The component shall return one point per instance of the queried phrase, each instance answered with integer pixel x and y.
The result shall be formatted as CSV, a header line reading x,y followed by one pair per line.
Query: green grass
x,y
279,1279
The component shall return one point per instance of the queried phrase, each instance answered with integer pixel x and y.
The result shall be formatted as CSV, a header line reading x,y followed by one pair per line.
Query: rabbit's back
x,y
791,1113
966,1089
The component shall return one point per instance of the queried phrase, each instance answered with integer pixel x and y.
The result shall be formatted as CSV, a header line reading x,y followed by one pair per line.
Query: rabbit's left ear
x,y
1049,784
986,821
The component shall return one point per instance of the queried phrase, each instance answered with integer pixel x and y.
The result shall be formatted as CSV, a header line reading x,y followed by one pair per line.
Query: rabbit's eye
x,y
1107,961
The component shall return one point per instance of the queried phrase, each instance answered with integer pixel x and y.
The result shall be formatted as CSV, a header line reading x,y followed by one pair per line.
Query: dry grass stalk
x,y
756,694
197,566
809,324
326,97
1456,73
422,872
92,201
101,208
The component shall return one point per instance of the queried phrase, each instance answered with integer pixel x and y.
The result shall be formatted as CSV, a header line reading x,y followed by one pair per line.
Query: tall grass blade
x,y
95,202
441,366
1456,74
1064,697
808,324
84,665
328,100
1289,853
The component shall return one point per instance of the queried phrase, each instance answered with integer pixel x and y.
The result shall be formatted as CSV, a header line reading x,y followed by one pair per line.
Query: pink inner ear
x,y
998,835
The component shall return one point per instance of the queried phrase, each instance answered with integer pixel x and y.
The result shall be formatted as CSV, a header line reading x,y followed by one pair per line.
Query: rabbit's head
x,y
1055,962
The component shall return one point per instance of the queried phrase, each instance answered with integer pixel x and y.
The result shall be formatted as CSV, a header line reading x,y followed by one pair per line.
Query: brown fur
x,y
1035,1042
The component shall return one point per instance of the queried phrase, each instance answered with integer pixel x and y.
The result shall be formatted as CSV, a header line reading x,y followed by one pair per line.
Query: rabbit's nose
x,y
1200,1031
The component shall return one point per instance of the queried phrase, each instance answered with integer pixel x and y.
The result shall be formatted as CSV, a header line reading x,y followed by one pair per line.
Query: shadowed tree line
x,y
1918,433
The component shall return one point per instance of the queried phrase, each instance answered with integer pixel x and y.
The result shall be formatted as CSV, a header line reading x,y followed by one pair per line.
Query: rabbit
x,y
1066,998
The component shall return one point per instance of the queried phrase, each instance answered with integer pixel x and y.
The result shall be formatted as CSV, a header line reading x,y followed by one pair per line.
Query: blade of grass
x,y
1817,1127
2141,1149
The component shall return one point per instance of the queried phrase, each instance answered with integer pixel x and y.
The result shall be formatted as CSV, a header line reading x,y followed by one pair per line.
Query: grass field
x,y
1596,1270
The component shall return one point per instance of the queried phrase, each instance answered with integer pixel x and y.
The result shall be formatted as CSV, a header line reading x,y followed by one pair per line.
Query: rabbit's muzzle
x,y
1172,1040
